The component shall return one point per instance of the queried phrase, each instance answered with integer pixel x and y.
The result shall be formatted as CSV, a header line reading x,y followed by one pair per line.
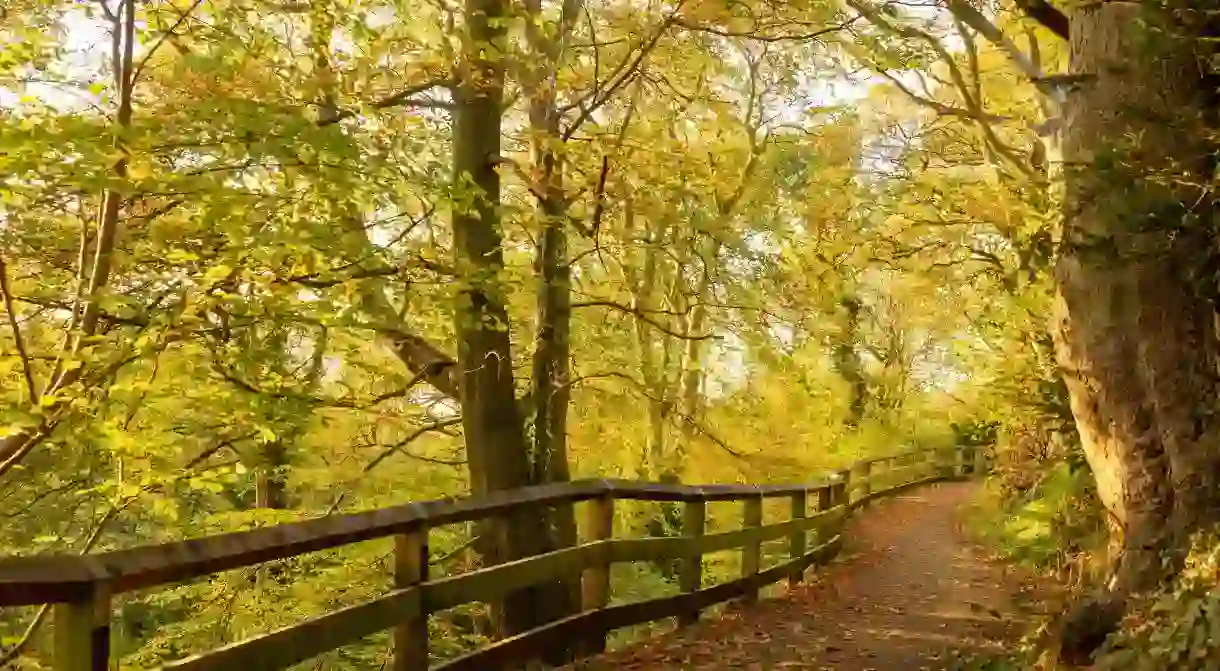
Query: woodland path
x,y
907,592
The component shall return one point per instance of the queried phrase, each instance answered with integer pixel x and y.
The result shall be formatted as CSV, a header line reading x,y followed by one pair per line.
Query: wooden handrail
x,y
81,587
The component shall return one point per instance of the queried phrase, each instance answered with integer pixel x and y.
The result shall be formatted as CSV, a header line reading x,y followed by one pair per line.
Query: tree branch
x,y
419,431
437,425
19,343
135,76
627,69
403,97
1048,15
757,35
691,422
639,314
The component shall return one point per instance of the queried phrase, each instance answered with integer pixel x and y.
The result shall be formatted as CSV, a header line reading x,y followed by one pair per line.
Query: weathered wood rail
x,y
81,588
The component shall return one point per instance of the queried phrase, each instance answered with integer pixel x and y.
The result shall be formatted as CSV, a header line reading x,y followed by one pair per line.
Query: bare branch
x,y
691,422
639,314
314,280
220,445
972,17
403,97
625,71
135,76
959,81
400,446
759,34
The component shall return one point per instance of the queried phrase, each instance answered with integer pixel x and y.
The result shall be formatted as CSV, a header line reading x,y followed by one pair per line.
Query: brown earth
x,y
907,592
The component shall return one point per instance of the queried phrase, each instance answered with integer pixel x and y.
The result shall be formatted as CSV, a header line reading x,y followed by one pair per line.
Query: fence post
x,y
410,570
980,460
842,489
691,574
796,542
826,501
82,632
864,487
751,551
595,583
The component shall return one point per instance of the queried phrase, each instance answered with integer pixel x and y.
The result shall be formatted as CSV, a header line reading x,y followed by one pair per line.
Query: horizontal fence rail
x,y
81,588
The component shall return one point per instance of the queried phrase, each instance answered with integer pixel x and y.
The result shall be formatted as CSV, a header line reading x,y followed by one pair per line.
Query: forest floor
x,y
909,591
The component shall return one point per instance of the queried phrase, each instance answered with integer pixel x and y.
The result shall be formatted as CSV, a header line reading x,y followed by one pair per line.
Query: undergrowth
x,y
1176,628
1053,526
1045,519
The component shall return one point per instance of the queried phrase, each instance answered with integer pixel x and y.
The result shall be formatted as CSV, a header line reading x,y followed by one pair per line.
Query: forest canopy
x,y
263,261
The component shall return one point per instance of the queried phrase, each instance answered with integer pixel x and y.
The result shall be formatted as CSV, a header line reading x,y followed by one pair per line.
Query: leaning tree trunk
x,y
1134,331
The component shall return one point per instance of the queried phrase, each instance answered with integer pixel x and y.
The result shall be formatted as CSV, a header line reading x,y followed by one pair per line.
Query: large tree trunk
x,y
1133,328
497,451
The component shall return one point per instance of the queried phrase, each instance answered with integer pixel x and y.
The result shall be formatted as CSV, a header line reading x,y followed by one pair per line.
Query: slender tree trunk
x,y
1134,331
84,321
552,342
271,484
693,373
693,376
642,277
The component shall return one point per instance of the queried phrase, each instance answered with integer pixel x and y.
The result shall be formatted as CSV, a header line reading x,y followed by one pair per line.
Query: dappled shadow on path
x,y
908,592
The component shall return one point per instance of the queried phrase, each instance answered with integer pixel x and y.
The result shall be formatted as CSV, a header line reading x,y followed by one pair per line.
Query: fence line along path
x,y
81,588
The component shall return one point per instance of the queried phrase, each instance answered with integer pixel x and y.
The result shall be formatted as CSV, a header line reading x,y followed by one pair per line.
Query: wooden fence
x,y
81,588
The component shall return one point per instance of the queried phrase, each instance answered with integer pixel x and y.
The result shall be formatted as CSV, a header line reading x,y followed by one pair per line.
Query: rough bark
x,y
1134,330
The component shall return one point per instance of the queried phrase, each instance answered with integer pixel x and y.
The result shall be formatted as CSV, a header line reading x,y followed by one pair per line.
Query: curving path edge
x,y
907,592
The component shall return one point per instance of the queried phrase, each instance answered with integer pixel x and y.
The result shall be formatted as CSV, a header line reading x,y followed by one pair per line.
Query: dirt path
x,y
908,592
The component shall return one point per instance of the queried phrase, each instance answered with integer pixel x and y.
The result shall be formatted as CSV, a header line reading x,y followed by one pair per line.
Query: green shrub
x,y
1048,526
1178,627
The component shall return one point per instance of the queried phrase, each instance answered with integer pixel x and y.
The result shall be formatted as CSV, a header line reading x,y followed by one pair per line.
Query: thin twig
x,y
690,421
455,551
419,431
135,75
639,314
399,447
